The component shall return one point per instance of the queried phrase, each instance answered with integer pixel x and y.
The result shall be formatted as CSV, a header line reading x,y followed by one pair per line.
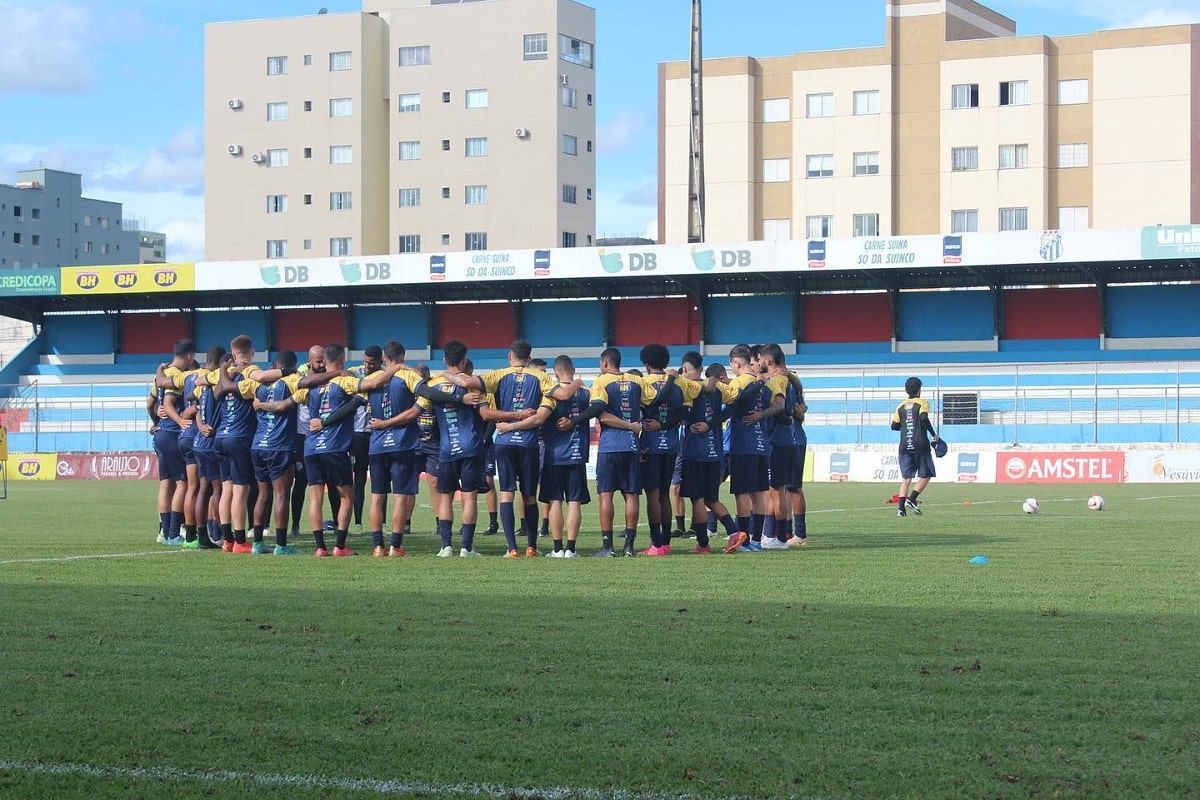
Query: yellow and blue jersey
x,y
274,430
748,440
516,389
623,396
664,441
912,416
564,448
177,377
395,397
460,428
237,413
322,401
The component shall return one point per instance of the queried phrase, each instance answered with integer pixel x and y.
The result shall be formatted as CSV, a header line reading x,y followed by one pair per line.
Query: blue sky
x,y
113,89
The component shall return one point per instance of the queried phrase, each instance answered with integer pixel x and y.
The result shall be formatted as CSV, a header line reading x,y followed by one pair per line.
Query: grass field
x,y
877,662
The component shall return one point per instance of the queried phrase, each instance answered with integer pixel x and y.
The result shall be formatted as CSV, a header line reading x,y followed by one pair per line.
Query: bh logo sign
x,y
166,278
29,467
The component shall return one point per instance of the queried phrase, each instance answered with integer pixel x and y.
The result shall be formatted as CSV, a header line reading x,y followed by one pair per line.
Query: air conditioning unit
x,y
235,104
564,79
258,158
521,132
234,149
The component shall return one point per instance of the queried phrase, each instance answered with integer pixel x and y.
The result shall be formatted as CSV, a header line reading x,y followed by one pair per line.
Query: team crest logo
x,y
1051,248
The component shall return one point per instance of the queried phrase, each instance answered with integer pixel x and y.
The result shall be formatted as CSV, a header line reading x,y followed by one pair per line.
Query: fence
x,y
1084,404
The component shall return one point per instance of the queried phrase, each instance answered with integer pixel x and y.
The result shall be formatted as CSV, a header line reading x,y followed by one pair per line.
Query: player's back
x,y
460,428
571,446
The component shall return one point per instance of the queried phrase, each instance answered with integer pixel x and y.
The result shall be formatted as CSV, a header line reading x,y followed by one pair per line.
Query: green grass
x,y
875,663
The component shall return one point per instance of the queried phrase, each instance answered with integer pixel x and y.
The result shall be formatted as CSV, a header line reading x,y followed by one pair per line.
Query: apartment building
x,y
45,222
955,125
414,126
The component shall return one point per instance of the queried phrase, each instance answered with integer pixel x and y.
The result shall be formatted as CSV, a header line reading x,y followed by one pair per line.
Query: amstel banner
x,y
1065,466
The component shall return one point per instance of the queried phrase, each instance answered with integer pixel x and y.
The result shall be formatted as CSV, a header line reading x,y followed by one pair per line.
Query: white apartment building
x,y
414,126
955,125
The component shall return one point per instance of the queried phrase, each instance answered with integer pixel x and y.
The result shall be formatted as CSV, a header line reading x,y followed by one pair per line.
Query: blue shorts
x,y
516,466
236,466
701,481
170,459
397,472
431,465
747,474
270,465
657,471
187,443
329,469
567,482
917,465
618,472
784,470
677,474
209,463
801,453
465,474
489,459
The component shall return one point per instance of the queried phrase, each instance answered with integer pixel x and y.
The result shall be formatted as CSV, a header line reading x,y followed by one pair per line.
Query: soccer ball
x,y
1096,503
1031,506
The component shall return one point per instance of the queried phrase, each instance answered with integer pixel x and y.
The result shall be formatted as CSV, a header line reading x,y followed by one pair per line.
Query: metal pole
x,y
696,145
37,420
1096,403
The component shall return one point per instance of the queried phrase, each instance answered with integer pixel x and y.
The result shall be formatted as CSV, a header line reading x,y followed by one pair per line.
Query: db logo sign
x,y
29,467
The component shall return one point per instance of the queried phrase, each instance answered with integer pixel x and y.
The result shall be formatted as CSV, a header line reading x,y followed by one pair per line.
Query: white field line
x,y
55,559
337,785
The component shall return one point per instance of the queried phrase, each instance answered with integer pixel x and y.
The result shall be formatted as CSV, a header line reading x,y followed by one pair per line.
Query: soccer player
x,y
911,418
233,438
208,411
460,453
747,449
540,364
272,447
430,442
784,465
187,443
172,473
703,454
623,395
361,444
660,447
692,369
799,504
564,475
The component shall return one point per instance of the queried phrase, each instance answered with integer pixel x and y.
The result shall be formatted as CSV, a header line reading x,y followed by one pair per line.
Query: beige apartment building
x,y
956,124
414,126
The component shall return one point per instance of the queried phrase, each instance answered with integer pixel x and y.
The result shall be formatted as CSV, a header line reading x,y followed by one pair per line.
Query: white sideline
x,y
367,785
53,559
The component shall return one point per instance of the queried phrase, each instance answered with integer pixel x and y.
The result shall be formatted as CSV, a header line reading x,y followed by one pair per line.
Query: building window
x,y
276,248
537,46
1014,156
477,146
35,213
339,201
87,218
475,241
777,109
445,240
277,157
820,166
776,230
866,164
570,144
589,100
445,97
17,239
445,192
105,248
308,105
339,61
964,95
87,246
866,102
866,224
477,98
570,97
568,239
476,195
308,199
589,194
308,63
277,112
819,105
776,170
308,152
1072,92
569,193
414,56
410,243
410,198
409,103
819,227
1014,93
307,245
103,222
575,51
341,154
277,65
1014,219
35,240
1073,155
341,107
964,159
339,246
1072,218
410,151
277,203
964,220
446,145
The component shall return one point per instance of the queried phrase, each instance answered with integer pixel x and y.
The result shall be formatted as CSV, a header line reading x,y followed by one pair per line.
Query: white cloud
x,y
55,47
185,238
619,132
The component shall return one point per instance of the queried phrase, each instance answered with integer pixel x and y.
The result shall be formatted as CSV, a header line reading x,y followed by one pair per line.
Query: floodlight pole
x,y
696,145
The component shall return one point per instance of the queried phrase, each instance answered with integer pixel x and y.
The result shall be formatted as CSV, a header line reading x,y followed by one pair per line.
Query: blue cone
x,y
978,560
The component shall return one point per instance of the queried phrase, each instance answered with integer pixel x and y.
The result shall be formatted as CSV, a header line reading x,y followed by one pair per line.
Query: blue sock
x,y
730,526
743,524
444,531
164,523
174,524
531,524
801,527
768,528
656,534
508,522
467,534
377,538
397,540
711,525
756,526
